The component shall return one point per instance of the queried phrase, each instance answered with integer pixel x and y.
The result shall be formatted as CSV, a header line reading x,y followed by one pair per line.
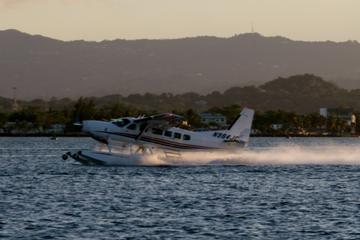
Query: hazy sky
x,y
336,20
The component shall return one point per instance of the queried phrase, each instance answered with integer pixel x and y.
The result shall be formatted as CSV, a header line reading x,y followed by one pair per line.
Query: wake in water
x,y
280,155
277,155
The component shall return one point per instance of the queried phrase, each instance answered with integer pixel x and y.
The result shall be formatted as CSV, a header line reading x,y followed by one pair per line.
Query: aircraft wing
x,y
162,121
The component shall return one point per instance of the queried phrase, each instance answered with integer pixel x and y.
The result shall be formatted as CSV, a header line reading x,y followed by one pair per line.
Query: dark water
x,y
42,197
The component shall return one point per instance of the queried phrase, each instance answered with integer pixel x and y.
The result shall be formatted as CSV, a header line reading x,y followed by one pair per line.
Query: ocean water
x,y
299,188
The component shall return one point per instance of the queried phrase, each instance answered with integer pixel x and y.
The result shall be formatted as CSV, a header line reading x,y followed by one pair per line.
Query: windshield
x,y
121,122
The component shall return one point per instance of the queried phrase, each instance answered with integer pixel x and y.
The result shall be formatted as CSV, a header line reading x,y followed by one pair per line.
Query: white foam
x,y
277,155
280,155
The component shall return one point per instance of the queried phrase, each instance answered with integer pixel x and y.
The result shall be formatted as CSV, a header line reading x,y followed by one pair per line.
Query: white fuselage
x,y
127,131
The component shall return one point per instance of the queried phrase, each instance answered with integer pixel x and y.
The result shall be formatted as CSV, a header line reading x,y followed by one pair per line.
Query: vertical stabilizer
x,y
241,126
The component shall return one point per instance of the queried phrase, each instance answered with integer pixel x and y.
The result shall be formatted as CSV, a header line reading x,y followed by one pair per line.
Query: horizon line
x,y
178,38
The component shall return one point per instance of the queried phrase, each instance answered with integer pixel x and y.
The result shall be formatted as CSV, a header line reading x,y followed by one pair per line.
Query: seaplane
x,y
137,137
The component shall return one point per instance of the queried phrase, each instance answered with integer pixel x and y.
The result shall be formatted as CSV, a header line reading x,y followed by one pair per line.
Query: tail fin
x,y
241,126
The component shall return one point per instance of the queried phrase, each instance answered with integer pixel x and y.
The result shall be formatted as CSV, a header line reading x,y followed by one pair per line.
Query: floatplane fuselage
x,y
159,132
156,132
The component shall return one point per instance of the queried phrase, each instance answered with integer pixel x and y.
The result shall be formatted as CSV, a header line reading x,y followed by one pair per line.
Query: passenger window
x,y
215,134
177,135
168,134
132,126
186,137
157,131
223,136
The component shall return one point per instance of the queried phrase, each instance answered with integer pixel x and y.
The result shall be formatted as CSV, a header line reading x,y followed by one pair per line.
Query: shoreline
x,y
253,136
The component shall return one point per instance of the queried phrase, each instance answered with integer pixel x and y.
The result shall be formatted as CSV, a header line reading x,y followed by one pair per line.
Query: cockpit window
x,y
132,126
121,122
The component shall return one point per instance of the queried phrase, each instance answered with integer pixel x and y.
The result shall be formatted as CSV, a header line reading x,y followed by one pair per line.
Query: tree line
x,y
86,108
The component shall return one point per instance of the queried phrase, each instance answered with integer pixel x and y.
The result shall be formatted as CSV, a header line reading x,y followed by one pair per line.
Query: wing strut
x,y
142,132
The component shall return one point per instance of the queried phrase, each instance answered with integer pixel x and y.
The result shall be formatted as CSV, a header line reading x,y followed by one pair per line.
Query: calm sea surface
x,y
301,188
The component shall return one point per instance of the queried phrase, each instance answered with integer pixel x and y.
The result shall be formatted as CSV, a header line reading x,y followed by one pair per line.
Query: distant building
x,y
213,118
56,128
201,103
345,114
255,131
324,112
9,125
276,126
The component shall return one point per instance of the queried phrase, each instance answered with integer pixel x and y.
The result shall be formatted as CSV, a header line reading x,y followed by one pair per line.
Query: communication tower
x,y
15,104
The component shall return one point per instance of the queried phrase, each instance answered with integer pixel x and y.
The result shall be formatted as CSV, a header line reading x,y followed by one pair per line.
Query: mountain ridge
x,y
44,67
251,34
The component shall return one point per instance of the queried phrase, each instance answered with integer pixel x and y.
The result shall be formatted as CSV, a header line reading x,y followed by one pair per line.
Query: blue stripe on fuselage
x,y
159,141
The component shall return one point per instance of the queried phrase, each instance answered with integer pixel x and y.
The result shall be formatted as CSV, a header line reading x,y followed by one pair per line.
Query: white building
x,y
56,128
211,118
276,126
345,114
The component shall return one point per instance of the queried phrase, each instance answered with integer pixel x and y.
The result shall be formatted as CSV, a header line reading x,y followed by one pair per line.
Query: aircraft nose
x,y
93,126
86,126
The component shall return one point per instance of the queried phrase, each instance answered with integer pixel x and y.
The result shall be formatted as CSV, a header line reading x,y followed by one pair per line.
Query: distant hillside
x,y
300,93
44,67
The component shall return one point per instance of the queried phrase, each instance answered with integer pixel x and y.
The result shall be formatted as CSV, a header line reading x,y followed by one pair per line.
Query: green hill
x,y
300,93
